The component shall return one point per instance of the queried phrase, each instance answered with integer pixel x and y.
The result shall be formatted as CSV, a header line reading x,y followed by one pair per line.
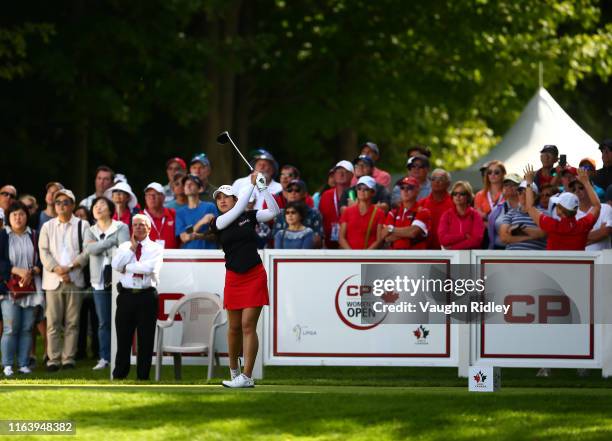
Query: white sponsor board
x,y
546,293
316,313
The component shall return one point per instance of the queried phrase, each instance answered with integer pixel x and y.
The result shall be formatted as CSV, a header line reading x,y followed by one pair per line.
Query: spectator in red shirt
x,y
329,206
461,227
437,203
567,233
162,219
407,226
361,224
547,174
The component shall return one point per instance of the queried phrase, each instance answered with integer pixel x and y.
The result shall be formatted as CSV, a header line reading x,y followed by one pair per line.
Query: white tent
x,y
542,122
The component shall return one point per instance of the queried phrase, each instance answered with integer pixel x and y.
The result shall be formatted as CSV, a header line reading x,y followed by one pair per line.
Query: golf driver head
x,y
225,138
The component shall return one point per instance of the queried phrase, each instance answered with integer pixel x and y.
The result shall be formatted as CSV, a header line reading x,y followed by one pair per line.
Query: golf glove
x,y
260,181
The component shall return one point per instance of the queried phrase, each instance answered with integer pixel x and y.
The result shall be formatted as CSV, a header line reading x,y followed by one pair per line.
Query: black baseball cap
x,y
364,158
193,178
550,148
606,144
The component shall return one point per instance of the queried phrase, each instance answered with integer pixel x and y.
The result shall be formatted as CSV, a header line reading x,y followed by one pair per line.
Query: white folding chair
x,y
201,315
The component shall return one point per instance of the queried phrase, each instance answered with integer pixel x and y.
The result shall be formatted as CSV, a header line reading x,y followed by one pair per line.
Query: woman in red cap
x,y
246,283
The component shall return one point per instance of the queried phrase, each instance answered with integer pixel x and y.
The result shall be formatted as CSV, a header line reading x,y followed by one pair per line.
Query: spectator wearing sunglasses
x,y
407,226
8,194
288,174
437,203
518,231
567,232
511,202
295,236
31,205
297,193
461,227
63,259
364,166
361,224
418,168
548,191
599,236
487,199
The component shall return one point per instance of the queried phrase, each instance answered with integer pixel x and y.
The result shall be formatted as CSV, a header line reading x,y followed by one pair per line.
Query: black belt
x,y
121,289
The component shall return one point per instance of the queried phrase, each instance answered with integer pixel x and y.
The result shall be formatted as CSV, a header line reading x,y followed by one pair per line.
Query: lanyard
x,y
336,204
163,222
500,199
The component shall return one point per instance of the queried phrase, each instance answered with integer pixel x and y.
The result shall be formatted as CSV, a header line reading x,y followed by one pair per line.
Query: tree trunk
x,y
347,144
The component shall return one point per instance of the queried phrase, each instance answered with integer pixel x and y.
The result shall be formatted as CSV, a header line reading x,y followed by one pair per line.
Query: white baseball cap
x,y
345,165
566,200
227,190
155,186
367,180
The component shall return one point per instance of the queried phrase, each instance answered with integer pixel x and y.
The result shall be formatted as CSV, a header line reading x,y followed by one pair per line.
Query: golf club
x,y
224,138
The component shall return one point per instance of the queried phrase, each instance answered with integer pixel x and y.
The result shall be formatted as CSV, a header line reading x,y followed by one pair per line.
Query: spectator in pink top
x,y
380,176
461,227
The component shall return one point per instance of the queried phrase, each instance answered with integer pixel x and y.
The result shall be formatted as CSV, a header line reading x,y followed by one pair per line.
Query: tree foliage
x,y
133,83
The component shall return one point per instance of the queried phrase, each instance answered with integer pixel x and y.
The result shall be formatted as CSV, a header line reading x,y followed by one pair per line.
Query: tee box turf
x,y
484,379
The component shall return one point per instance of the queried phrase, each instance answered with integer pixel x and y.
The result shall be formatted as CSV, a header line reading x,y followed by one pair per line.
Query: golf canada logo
x,y
480,378
421,333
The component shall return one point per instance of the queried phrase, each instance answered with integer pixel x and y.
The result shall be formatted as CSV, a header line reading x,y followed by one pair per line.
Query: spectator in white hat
x,y
162,219
124,200
329,206
361,224
567,233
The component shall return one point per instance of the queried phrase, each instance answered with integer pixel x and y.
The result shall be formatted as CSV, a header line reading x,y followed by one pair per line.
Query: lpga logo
x,y
301,331
353,309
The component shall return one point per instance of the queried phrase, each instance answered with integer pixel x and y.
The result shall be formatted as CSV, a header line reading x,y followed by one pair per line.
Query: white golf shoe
x,y
241,381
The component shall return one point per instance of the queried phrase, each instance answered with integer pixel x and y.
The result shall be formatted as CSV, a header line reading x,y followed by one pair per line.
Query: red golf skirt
x,y
246,290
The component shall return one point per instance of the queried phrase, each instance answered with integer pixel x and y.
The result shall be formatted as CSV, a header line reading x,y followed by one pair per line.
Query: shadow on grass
x,y
379,414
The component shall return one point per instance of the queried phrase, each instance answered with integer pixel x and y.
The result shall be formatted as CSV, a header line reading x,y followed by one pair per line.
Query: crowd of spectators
x,y
64,249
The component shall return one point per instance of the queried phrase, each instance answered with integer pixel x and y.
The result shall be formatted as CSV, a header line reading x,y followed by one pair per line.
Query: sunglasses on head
x,y
407,187
494,172
64,202
459,193
8,195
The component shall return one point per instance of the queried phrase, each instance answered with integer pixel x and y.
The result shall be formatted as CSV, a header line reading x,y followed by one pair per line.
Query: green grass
x,y
317,403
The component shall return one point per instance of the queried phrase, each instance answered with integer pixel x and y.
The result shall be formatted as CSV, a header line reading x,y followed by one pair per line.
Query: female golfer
x,y
246,288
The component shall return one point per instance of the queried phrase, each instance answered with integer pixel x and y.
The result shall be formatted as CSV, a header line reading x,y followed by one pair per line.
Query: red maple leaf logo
x,y
390,297
417,333
477,378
